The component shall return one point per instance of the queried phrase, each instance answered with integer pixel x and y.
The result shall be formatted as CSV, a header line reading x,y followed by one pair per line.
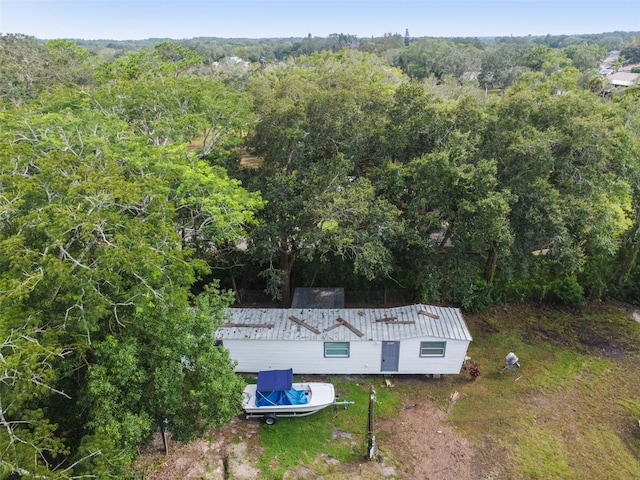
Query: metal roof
x,y
344,324
624,78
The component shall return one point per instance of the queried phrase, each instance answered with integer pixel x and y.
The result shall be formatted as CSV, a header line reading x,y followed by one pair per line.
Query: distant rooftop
x,y
624,78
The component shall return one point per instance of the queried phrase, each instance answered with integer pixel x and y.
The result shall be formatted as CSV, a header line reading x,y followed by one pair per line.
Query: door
x,y
390,356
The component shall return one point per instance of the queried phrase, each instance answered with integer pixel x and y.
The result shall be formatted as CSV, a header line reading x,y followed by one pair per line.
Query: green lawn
x,y
572,415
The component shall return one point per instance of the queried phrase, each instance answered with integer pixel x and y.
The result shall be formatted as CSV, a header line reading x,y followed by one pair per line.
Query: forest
x,y
145,186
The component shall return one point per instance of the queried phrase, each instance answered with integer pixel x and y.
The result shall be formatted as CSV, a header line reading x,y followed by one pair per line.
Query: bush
x,y
479,298
564,290
429,285
474,370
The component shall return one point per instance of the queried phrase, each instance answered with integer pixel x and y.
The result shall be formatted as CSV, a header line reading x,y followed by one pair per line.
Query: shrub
x,y
474,370
479,298
564,290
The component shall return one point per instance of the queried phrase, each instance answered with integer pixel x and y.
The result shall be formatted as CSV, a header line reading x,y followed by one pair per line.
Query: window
x,y
336,349
432,349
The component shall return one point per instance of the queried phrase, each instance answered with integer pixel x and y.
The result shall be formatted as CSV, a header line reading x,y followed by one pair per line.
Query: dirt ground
x,y
223,454
416,445
422,446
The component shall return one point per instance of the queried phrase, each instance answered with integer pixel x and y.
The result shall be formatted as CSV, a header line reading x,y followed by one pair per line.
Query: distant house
x,y
414,339
624,79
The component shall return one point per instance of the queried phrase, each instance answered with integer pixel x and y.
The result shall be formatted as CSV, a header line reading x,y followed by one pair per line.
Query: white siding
x,y
307,357
412,362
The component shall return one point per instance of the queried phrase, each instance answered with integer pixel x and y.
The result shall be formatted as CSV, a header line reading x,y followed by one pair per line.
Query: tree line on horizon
x,y
141,193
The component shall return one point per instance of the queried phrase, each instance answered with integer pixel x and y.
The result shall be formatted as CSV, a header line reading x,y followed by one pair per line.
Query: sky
x,y
184,19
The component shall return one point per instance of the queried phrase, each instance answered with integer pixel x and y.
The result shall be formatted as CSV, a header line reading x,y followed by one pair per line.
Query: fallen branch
x,y
452,400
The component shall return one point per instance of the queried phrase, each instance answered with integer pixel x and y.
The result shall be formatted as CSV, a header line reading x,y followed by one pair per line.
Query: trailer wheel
x,y
270,419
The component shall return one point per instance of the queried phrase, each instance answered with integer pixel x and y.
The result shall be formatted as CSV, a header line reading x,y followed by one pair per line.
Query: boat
x,y
275,396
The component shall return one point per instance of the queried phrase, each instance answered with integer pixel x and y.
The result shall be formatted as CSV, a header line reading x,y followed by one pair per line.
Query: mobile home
x,y
414,339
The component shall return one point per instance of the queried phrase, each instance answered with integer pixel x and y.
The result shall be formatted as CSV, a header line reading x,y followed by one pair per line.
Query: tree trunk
x,y
286,265
490,266
235,289
629,259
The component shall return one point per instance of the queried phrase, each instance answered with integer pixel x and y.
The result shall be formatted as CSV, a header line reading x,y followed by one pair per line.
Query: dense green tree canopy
x,y
133,177
102,341
631,51
565,157
586,57
318,130
502,64
439,57
28,67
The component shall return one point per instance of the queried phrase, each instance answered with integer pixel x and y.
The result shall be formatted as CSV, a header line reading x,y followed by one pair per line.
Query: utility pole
x,y
371,437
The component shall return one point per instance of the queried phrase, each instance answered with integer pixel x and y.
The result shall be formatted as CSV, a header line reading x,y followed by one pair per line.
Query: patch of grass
x,y
557,369
602,453
292,442
573,414
632,405
547,452
584,329
546,458
564,417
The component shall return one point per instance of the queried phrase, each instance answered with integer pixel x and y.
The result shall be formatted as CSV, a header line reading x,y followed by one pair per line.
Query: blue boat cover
x,y
274,388
271,380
